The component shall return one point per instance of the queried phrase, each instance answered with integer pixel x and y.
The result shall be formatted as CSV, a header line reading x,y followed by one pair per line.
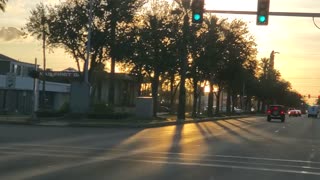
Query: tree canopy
x,y
157,43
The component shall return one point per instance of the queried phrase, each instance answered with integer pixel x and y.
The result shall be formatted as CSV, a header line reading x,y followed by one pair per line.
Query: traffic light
x,y
263,12
197,11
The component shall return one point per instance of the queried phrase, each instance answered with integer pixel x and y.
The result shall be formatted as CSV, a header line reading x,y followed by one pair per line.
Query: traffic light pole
x,y
297,14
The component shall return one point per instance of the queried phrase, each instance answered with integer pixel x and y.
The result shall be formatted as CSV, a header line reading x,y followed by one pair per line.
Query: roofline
x,y
7,58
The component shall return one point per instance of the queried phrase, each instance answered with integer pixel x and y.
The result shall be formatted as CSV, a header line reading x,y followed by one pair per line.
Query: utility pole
x,y
86,63
35,92
44,64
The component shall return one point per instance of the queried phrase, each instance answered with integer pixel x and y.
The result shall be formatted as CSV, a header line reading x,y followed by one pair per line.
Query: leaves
x,y
3,4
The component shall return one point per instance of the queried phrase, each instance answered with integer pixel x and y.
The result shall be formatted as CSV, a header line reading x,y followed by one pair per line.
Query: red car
x,y
294,112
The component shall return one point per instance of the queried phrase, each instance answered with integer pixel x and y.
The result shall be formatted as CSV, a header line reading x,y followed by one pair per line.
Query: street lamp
x,y
272,58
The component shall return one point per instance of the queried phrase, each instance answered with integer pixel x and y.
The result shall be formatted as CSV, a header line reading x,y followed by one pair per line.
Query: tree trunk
x,y
199,102
258,104
140,80
195,97
234,99
229,100
183,71
263,106
111,94
218,101
173,92
155,86
210,100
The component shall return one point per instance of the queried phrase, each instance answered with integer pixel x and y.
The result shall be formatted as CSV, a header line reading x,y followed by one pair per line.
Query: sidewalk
x,y
164,120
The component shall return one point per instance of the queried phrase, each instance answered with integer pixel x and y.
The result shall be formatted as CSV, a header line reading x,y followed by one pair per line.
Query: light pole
x,y
272,58
86,63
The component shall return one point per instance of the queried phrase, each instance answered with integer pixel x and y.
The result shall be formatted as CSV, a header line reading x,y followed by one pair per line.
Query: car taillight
x,y
269,111
282,112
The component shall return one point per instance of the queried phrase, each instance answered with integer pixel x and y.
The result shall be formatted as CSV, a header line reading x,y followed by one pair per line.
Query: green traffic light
x,y
262,19
196,17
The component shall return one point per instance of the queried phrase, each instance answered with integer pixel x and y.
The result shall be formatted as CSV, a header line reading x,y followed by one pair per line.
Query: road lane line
x,y
239,157
232,161
224,166
126,158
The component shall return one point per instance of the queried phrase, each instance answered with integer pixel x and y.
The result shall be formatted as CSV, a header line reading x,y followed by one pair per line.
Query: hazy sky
x,y
296,38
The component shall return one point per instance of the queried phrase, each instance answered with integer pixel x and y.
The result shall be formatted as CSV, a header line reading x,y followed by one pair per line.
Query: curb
x,y
116,125
152,125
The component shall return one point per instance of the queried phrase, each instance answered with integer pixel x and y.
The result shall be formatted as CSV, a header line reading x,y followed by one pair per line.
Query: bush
x,y
65,108
102,108
110,115
48,113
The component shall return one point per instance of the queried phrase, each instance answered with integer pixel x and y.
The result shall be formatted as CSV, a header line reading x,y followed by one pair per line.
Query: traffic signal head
x,y
197,11
263,12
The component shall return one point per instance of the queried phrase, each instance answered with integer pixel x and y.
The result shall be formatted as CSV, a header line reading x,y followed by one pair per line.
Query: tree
x,y
183,11
117,12
240,50
211,54
38,26
69,27
3,4
154,47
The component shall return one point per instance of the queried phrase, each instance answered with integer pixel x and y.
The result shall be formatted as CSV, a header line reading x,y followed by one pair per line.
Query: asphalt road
x,y
241,149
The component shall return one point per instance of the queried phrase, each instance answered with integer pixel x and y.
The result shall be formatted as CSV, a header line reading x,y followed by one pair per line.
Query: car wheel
x,y
282,120
268,119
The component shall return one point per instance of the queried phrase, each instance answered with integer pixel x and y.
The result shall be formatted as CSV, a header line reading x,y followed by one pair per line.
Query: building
x,y
125,89
17,88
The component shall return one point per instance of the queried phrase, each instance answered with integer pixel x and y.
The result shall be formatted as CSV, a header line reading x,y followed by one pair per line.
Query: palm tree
x,y
183,10
3,4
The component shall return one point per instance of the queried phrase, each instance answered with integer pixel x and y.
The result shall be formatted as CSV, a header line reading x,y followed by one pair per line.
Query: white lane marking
x,y
232,161
224,166
152,151
277,131
238,157
283,127
153,157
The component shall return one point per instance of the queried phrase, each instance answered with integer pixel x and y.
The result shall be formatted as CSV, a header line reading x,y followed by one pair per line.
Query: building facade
x,y
17,88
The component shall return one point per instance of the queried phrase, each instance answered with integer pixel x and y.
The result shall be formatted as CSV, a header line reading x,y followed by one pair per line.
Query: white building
x,y
16,88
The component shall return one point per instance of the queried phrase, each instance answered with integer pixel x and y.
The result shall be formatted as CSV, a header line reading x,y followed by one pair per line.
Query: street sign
x,y
11,80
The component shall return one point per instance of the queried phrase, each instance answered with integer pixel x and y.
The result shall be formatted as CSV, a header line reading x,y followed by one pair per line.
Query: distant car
x,y
238,111
294,112
298,112
313,111
276,112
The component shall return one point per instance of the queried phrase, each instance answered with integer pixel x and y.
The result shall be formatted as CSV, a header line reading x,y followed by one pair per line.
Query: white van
x,y
313,111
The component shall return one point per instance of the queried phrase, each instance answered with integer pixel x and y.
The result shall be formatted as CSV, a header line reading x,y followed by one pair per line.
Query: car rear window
x,y
276,107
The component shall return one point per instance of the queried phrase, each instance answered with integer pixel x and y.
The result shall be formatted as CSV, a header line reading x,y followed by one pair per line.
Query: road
x,y
242,149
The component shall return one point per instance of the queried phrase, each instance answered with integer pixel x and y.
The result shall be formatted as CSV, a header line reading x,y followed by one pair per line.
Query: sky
x,y
296,39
